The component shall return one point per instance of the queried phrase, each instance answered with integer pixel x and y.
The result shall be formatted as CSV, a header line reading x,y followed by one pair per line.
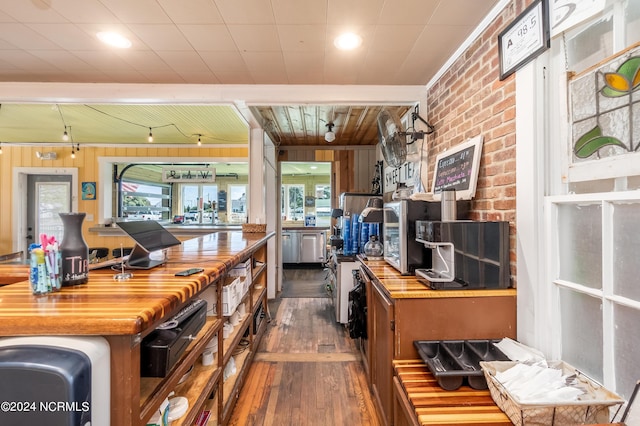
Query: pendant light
x,y
330,136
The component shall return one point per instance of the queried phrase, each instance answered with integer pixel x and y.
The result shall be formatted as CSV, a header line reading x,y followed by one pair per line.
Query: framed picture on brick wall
x,y
524,39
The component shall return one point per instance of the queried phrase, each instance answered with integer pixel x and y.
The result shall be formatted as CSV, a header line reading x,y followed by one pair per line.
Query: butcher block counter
x,y
124,312
401,310
420,401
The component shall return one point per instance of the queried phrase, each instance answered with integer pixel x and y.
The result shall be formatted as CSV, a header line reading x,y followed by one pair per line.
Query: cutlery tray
x,y
453,361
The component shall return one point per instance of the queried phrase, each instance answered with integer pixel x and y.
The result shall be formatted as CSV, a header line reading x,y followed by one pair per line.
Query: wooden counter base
x,y
420,401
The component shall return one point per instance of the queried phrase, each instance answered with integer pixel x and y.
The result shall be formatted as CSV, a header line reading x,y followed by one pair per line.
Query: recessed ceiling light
x,y
114,39
347,41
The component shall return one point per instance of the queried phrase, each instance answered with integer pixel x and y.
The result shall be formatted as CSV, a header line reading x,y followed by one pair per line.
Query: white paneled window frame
x,y
605,294
545,183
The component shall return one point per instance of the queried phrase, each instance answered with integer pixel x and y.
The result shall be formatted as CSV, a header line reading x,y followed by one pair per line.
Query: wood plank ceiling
x,y
306,125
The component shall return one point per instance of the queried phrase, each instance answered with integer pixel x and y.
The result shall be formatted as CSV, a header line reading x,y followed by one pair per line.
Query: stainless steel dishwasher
x,y
312,247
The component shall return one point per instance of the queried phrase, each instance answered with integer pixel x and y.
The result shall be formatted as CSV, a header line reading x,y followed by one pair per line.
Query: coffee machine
x,y
335,240
465,254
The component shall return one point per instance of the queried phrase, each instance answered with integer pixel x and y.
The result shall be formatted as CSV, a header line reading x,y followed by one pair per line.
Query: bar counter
x,y
124,312
105,306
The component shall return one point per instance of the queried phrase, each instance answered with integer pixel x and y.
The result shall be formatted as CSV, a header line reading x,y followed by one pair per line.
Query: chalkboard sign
x,y
457,168
222,201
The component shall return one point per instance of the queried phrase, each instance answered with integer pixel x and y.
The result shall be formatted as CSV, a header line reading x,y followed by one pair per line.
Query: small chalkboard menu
x,y
457,168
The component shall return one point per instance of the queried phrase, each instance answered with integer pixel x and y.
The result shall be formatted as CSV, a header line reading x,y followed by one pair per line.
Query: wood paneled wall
x,y
86,162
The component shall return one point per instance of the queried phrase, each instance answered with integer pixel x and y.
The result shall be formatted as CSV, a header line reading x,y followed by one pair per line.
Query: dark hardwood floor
x,y
306,372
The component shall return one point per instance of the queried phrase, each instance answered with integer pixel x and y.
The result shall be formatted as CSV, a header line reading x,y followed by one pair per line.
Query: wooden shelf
x,y
197,389
257,295
203,381
231,387
234,338
258,271
154,390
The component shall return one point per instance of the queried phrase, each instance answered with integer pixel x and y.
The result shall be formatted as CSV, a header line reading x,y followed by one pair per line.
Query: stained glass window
x,y
604,102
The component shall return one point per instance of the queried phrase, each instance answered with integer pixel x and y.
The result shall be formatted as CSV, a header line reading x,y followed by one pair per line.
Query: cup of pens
x,y
45,266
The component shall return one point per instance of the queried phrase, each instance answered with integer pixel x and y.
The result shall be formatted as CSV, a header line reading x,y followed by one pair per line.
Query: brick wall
x,y
470,100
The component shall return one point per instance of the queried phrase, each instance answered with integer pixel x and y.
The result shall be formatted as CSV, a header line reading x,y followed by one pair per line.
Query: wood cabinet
x,y
402,310
381,322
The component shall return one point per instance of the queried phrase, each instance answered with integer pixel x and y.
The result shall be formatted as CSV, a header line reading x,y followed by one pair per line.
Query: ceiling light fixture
x,y
73,152
347,41
150,138
65,135
330,136
114,39
0,148
199,141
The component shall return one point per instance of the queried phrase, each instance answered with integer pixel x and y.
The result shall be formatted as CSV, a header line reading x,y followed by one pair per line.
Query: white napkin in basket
x,y
535,384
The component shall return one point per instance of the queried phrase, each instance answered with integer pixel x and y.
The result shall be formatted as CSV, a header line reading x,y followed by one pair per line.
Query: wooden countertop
x,y
286,228
105,306
397,286
435,406
175,229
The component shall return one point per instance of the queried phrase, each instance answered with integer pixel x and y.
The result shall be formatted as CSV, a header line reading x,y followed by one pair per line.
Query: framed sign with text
x,y
457,168
193,174
524,39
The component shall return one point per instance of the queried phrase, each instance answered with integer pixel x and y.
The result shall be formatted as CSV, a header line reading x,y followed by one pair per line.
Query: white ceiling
x,y
223,42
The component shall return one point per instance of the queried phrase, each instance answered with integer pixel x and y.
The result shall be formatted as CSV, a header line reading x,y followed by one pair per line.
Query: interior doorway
x,y
39,194
305,193
47,196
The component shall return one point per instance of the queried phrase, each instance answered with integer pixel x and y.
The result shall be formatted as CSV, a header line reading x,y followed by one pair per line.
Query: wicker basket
x,y
253,227
593,407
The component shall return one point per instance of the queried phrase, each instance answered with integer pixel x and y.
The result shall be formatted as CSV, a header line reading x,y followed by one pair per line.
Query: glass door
x,y
237,207
47,195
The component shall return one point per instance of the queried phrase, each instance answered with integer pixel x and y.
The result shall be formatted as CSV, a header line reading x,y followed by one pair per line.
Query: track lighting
x,y
150,139
330,136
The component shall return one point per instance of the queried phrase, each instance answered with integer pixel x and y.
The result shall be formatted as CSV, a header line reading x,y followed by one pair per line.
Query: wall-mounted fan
x,y
392,140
